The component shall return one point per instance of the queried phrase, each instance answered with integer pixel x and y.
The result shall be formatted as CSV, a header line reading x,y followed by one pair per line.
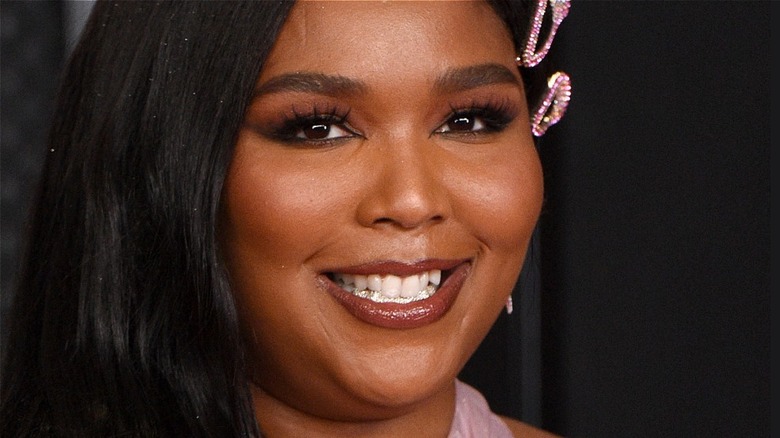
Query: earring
x,y
553,105
509,305
560,9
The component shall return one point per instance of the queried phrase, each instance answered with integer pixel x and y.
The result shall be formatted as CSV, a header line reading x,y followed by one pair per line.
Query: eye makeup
x,y
478,117
315,125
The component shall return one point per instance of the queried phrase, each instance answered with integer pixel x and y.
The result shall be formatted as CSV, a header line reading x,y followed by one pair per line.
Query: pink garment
x,y
473,417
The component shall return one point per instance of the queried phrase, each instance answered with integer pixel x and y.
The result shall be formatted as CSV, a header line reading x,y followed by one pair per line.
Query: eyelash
x,y
289,129
494,116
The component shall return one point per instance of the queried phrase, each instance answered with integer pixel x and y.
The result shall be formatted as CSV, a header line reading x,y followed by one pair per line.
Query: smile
x,y
391,288
398,295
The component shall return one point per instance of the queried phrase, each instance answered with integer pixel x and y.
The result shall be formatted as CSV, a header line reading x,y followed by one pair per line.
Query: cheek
x,y
272,209
271,222
501,203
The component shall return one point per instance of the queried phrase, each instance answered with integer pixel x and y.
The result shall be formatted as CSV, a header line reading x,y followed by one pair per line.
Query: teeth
x,y
361,282
410,286
391,288
435,277
374,282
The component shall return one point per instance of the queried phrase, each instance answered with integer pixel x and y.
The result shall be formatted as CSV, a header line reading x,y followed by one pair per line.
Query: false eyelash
x,y
288,129
496,115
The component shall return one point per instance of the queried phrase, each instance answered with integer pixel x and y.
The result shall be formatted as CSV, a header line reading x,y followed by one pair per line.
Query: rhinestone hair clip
x,y
553,105
555,101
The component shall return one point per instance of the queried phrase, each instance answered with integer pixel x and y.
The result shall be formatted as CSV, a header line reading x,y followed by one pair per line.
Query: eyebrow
x,y
466,78
453,80
305,82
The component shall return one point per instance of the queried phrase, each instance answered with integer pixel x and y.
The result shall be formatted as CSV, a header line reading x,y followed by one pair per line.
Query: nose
x,y
407,191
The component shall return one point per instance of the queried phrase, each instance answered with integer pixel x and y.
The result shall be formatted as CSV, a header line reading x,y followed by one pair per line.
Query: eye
x,y
322,130
313,129
476,120
463,123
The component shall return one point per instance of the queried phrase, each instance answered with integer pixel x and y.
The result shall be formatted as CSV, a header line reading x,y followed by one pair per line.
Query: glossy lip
x,y
395,315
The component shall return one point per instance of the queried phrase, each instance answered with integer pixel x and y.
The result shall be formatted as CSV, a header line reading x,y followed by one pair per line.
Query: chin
x,y
402,376
397,389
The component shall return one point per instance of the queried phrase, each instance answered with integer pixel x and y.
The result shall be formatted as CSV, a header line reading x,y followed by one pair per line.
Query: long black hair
x,y
123,322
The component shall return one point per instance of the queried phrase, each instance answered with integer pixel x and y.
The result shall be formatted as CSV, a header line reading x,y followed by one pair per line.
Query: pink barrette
x,y
553,105
560,8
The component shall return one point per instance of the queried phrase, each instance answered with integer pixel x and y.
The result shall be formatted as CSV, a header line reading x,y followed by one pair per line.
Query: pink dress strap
x,y
473,417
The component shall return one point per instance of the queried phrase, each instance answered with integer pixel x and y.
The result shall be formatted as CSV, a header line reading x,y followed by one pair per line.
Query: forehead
x,y
356,38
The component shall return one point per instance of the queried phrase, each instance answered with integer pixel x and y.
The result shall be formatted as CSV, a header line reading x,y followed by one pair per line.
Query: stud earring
x,y
509,305
530,56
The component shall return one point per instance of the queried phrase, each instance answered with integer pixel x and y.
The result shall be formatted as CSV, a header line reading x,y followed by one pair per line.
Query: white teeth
x,y
410,286
361,282
374,283
435,277
391,288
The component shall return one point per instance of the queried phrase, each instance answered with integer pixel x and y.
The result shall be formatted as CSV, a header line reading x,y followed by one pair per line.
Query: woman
x,y
279,219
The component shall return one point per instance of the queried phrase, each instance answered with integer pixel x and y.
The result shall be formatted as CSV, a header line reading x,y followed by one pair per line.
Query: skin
x,y
392,183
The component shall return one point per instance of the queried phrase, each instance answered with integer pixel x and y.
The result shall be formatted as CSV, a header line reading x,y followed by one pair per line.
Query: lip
x,y
395,315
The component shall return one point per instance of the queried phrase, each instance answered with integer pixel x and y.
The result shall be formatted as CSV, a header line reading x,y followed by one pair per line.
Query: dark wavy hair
x,y
123,323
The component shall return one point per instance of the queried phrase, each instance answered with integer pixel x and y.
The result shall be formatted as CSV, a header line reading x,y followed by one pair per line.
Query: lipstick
x,y
402,315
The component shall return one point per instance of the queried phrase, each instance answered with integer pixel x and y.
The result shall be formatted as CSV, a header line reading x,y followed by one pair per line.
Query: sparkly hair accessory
x,y
560,9
553,105
554,102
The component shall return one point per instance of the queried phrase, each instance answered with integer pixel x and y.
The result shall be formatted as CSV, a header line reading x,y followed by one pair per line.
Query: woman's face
x,y
387,142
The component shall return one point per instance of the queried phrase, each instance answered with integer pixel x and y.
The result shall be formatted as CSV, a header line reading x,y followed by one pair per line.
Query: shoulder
x,y
520,429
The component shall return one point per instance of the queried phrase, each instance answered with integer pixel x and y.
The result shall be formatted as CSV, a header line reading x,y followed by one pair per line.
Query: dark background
x,y
654,313
656,305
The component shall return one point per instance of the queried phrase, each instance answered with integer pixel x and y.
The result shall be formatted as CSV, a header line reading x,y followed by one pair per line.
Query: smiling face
x,y
387,143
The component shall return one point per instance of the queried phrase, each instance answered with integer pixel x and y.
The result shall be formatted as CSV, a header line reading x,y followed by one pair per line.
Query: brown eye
x,y
466,123
461,123
315,132
319,131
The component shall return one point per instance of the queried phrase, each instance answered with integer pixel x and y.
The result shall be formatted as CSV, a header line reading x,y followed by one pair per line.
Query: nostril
x,y
407,223
407,204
